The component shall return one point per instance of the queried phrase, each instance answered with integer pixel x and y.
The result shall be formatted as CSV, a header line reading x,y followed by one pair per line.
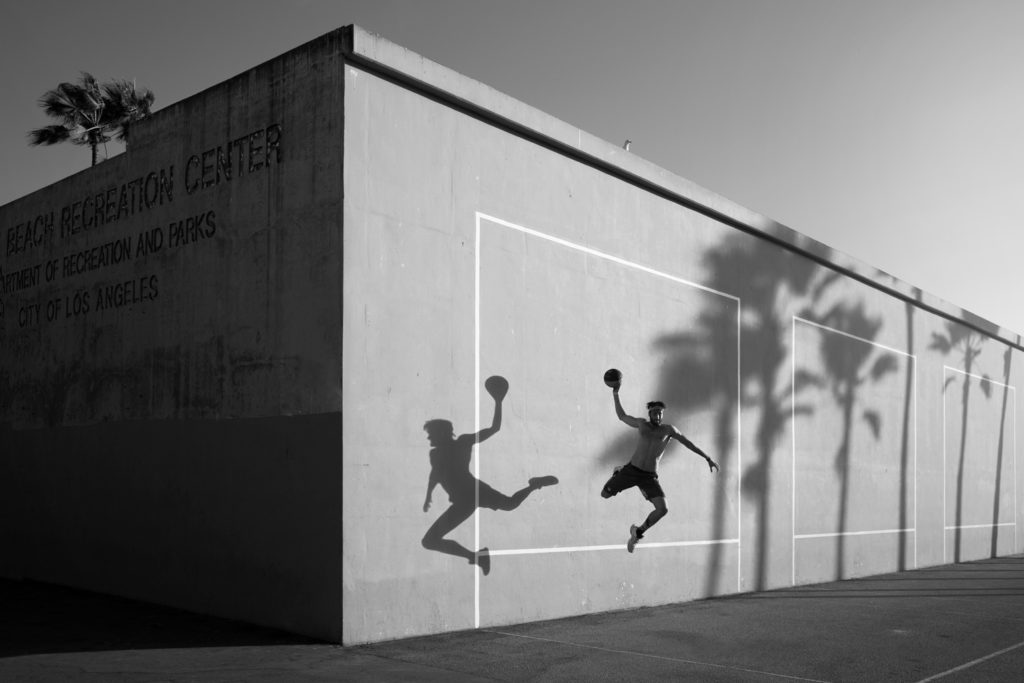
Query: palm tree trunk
x,y
958,531
999,457
908,393
843,469
723,444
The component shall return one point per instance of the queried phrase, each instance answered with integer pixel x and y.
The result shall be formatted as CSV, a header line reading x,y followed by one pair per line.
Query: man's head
x,y
656,412
439,431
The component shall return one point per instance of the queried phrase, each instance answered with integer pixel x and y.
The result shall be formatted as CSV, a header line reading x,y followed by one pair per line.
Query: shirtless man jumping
x,y
642,469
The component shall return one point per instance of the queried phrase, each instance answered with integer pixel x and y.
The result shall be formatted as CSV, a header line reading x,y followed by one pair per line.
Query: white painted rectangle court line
x,y
617,546
979,526
480,218
836,534
945,511
871,532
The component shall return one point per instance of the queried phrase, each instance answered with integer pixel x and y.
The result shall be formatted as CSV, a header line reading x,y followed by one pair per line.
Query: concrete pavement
x,y
962,622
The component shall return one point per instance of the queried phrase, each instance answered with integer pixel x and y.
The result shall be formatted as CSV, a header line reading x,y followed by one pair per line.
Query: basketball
x,y
612,377
496,386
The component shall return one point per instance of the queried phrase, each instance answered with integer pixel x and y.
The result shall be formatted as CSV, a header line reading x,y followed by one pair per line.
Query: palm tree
x,y
126,104
700,363
846,367
79,107
91,114
969,343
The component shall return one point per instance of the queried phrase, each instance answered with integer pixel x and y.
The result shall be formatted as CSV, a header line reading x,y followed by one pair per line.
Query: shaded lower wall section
x,y
234,518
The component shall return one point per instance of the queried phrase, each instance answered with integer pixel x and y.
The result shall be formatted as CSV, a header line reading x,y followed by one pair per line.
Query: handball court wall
x,y
245,434
861,426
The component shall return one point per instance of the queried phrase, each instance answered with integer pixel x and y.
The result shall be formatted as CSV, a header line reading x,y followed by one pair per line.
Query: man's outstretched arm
x,y
628,419
488,432
678,436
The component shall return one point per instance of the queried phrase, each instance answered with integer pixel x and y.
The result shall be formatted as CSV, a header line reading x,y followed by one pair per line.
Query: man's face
x,y
656,415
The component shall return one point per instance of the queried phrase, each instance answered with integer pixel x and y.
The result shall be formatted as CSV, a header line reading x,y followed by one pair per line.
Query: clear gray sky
x,y
892,130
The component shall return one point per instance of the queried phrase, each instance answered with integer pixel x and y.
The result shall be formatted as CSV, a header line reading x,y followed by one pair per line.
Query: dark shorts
x,y
629,476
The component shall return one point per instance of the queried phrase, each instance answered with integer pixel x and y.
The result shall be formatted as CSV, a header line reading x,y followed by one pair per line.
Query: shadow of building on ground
x,y
40,618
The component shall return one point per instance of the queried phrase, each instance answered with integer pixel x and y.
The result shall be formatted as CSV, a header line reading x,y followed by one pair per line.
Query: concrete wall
x,y
231,418
860,427
169,386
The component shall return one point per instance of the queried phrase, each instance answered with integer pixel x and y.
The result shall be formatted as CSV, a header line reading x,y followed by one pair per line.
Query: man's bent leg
x,y
659,511
435,539
517,498
615,484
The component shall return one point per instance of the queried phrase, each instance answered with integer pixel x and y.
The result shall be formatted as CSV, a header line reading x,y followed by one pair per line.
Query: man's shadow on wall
x,y
450,456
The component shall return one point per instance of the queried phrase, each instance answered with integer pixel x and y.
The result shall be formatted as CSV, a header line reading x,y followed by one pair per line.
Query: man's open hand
x,y
712,465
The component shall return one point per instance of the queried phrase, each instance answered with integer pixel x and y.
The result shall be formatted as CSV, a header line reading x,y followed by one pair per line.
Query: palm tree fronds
x,y
90,113
48,135
127,104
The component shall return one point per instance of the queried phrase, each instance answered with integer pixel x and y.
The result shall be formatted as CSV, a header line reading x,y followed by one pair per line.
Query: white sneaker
x,y
634,536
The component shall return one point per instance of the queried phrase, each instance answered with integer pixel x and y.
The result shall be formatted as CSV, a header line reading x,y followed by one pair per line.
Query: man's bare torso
x,y
651,445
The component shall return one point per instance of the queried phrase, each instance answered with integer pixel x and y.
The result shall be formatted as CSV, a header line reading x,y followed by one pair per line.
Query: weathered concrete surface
x,y
243,501
232,418
169,378
958,622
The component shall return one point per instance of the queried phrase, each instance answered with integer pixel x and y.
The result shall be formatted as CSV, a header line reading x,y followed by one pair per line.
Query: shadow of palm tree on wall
x,y
846,372
905,434
1007,360
700,370
968,343
450,458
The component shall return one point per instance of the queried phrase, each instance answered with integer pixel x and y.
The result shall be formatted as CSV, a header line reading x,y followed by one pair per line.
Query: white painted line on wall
x,y
915,499
836,534
980,526
792,434
651,271
945,462
476,428
852,336
945,542
739,449
973,662
617,546
661,657
796,536
977,377
600,254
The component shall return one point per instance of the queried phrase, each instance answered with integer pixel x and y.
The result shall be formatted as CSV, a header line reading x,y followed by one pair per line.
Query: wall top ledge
x,y
371,50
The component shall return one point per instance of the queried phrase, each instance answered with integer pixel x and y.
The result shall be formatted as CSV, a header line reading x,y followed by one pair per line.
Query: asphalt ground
x,y
962,622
